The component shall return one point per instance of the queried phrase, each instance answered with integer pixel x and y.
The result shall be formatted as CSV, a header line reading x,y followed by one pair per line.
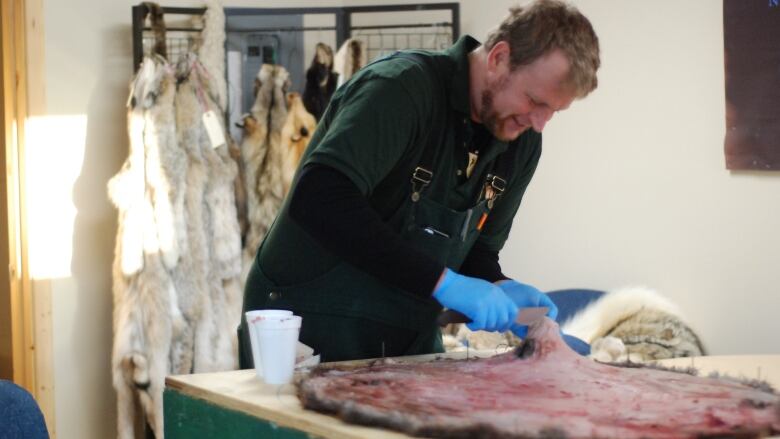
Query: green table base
x,y
192,418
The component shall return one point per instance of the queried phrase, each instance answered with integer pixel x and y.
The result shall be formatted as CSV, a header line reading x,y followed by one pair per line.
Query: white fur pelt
x,y
212,50
148,194
634,324
264,156
296,133
350,58
595,320
629,324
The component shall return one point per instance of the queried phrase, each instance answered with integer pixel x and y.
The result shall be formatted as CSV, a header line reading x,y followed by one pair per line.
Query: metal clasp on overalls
x,y
496,186
420,178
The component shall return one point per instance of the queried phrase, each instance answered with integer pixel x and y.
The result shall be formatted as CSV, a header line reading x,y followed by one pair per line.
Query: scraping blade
x,y
525,317
528,316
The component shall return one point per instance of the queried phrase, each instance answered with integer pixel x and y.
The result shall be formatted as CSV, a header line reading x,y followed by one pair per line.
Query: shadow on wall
x,y
94,233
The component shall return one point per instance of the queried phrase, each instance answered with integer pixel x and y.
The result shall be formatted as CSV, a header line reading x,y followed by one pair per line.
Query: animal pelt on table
x,y
321,81
635,324
350,58
296,133
263,153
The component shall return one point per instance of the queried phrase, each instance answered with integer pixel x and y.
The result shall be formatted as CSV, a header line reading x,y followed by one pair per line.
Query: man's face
x,y
527,97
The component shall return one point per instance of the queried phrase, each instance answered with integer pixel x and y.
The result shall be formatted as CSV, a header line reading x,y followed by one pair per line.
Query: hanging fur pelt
x,y
219,259
156,18
296,133
212,50
320,81
350,58
177,264
263,153
147,191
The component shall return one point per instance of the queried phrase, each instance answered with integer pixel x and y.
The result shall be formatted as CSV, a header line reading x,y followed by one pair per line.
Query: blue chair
x,y
20,416
572,301
569,303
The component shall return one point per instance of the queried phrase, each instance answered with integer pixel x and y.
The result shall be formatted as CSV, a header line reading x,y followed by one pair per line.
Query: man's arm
x,y
483,263
330,207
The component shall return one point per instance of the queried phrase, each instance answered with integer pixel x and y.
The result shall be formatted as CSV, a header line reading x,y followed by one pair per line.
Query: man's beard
x,y
489,116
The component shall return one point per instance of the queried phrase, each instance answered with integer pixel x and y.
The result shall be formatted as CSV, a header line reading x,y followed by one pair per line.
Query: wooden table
x,y
237,404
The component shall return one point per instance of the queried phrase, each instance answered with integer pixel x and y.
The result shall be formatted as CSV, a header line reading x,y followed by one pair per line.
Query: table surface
x,y
242,391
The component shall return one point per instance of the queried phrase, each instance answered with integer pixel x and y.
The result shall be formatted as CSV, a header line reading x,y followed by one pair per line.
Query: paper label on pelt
x,y
213,129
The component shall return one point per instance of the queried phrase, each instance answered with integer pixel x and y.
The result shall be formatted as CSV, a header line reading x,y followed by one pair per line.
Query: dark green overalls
x,y
400,130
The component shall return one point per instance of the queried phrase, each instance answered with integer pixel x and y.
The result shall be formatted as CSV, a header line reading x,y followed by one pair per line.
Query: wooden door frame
x,y
23,95
14,117
23,80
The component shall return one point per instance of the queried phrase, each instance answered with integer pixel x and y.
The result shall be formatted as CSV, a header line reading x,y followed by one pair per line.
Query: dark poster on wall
x,y
751,30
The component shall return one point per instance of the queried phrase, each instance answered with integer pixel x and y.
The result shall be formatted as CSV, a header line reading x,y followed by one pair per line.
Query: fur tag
x,y
213,129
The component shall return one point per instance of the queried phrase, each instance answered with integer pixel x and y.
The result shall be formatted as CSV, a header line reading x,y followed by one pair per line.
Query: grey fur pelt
x,y
145,303
212,50
177,262
264,156
215,345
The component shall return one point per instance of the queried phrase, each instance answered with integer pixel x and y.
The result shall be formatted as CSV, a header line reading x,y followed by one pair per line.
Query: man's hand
x,y
488,307
525,296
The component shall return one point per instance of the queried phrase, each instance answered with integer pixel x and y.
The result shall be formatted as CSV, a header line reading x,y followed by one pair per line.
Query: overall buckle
x,y
420,178
498,183
493,189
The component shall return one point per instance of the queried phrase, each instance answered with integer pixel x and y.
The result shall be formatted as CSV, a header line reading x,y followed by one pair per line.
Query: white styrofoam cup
x,y
277,339
253,317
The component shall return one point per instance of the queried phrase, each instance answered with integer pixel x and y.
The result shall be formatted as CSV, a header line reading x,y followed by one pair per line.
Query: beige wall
x,y
631,189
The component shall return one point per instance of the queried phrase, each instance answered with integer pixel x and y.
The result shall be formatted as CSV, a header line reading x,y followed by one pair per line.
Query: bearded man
x,y
408,188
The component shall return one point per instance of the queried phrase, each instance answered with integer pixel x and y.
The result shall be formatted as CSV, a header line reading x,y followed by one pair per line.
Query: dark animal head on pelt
x,y
323,55
321,69
156,18
356,50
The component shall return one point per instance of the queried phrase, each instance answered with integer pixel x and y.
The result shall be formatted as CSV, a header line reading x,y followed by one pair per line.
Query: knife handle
x,y
451,316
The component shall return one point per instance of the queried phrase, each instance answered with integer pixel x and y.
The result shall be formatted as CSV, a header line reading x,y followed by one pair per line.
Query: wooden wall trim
x,y
24,86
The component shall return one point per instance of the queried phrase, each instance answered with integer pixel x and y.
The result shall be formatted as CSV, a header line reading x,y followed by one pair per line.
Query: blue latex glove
x,y
488,307
525,296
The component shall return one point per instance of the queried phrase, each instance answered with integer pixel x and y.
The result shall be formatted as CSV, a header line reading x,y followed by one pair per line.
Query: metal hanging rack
x,y
343,19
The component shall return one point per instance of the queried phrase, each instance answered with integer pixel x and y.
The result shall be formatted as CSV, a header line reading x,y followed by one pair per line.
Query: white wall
x,y
631,189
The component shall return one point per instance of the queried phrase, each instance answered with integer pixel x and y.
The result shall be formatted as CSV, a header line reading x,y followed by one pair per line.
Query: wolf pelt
x,y
211,52
177,262
321,81
219,260
264,156
628,324
634,324
145,304
296,134
350,58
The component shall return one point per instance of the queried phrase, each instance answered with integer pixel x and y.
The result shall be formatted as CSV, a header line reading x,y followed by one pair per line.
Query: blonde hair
x,y
534,30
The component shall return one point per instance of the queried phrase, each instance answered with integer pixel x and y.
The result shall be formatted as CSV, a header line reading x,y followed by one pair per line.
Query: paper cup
x,y
277,339
253,317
